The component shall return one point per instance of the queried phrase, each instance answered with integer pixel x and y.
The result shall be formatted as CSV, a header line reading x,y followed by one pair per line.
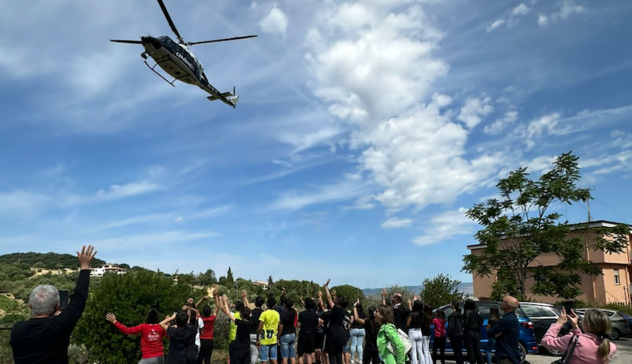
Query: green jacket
x,y
388,332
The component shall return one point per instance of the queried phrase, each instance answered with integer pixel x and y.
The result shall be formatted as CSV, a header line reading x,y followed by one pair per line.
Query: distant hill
x,y
467,288
50,260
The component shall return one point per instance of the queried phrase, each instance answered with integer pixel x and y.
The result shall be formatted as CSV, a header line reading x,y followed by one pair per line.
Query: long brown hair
x,y
598,323
387,314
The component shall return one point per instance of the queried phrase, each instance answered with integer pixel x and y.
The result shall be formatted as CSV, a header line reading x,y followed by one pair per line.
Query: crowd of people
x,y
329,330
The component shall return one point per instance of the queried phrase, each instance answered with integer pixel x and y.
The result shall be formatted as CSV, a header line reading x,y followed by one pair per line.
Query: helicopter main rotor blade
x,y
126,41
222,40
171,24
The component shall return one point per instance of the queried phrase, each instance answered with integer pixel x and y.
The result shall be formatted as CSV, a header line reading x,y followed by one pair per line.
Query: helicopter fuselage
x,y
176,60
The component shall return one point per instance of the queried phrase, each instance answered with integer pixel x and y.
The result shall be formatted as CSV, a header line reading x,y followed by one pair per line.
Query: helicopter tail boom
x,y
226,97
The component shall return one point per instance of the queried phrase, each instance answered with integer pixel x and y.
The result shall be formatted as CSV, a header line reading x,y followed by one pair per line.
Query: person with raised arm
x,y
181,337
241,345
370,355
255,314
319,337
208,321
267,332
336,334
46,336
151,333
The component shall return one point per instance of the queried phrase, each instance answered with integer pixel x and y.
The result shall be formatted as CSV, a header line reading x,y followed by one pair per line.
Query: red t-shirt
x,y
209,324
151,339
439,327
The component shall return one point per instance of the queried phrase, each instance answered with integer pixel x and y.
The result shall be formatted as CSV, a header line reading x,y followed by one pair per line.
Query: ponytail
x,y
604,350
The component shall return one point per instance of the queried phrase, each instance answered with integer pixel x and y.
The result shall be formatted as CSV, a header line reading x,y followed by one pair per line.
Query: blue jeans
x,y
288,346
268,352
357,337
488,349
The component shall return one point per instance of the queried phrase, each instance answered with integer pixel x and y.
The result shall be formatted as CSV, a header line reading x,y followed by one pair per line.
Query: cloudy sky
x,y
364,129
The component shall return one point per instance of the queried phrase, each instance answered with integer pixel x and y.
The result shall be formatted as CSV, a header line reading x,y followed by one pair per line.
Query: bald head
x,y
509,304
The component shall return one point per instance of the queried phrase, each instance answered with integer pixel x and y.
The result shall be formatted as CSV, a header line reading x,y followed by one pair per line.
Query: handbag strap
x,y
568,354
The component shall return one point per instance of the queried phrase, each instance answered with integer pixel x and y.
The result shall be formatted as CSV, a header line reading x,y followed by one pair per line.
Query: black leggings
x,y
457,348
473,346
370,356
439,343
206,351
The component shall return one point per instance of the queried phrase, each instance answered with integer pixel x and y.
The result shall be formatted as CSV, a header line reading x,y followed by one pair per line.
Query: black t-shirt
x,y
45,340
347,321
325,317
287,320
370,331
181,340
254,319
243,331
400,314
356,324
309,322
337,316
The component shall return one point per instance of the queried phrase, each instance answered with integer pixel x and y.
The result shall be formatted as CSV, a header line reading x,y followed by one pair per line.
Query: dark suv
x,y
527,340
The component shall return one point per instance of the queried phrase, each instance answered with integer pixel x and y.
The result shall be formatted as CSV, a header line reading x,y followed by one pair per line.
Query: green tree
x,y
229,277
129,297
440,290
207,278
270,281
518,227
350,293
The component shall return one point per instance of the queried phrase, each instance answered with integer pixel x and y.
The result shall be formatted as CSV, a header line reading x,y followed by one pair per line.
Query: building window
x,y
617,281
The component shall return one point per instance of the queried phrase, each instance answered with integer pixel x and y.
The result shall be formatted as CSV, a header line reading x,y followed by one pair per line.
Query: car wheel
x,y
523,353
555,352
615,334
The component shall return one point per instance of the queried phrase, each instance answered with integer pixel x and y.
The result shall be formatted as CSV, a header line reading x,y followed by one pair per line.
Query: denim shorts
x,y
288,346
268,352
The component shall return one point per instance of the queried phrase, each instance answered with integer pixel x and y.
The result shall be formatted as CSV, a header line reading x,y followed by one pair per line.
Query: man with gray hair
x,y
46,336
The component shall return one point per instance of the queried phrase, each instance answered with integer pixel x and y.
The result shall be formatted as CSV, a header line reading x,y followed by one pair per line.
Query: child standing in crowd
x,y
415,322
439,336
288,333
371,329
308,323
151,337
494,317
388,334
357,331
455,332
241,345
181,337
267,332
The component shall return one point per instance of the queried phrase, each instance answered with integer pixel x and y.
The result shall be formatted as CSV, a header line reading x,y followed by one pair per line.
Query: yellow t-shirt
x,y
270,319
232,334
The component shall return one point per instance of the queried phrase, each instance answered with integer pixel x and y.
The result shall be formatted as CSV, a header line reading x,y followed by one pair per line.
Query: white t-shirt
x,y
197,336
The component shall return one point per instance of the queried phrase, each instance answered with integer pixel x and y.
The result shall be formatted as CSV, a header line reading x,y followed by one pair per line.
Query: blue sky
x,y
363,132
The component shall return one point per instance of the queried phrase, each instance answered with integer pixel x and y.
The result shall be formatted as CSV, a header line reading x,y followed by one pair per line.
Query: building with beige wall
x,y
613,286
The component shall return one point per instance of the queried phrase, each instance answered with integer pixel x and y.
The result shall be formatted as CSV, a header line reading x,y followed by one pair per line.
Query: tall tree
x,y
518,227
440,290
229,277
270,281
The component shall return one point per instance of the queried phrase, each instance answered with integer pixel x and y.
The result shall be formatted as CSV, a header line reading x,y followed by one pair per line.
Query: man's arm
x,y
498,327
244,298
165,323
329,300
200,301
67,319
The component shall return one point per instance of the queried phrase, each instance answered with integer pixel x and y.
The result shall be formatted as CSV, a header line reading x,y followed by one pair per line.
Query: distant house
x,y
107,268
261,284
37,271
613,286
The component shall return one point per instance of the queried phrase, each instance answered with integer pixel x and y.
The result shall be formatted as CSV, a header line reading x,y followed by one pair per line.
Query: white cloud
x,y
396,223
348,188
520,10
473,110
499,125
446,225
495,25
275,22
377,74
131,221
155,240
21,203
543,20
568,8
117,192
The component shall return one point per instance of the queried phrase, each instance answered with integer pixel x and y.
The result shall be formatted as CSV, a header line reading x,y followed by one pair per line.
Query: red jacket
x,y
151,339
209,325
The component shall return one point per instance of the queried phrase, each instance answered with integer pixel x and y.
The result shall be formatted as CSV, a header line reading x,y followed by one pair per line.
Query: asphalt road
x,y
623,356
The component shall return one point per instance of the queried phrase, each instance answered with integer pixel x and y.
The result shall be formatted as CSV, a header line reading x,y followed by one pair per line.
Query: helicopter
x,y
179,62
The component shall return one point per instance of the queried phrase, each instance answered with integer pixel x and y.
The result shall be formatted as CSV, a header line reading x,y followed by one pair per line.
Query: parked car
x,y
543,316
528,345
620,323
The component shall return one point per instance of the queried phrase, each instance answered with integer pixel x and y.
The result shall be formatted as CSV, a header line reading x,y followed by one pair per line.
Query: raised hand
x,y
110,317
384,292
327,284
574,318
86,256
216,291
320,294
244,293
562,318
415,298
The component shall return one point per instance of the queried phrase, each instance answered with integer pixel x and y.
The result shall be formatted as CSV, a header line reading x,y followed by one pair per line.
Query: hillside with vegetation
x,y
45,260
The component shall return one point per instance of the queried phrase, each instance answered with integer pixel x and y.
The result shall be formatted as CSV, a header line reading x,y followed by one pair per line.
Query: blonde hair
x,y
598,323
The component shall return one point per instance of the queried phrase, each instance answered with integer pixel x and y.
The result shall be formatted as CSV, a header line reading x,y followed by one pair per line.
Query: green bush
x,y
129,297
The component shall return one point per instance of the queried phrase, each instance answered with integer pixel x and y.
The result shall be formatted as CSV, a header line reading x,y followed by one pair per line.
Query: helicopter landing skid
x,y
161,76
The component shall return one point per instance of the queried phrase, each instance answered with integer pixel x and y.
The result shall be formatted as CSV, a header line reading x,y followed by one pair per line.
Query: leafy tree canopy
x,y
440,290
49,260
518,227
